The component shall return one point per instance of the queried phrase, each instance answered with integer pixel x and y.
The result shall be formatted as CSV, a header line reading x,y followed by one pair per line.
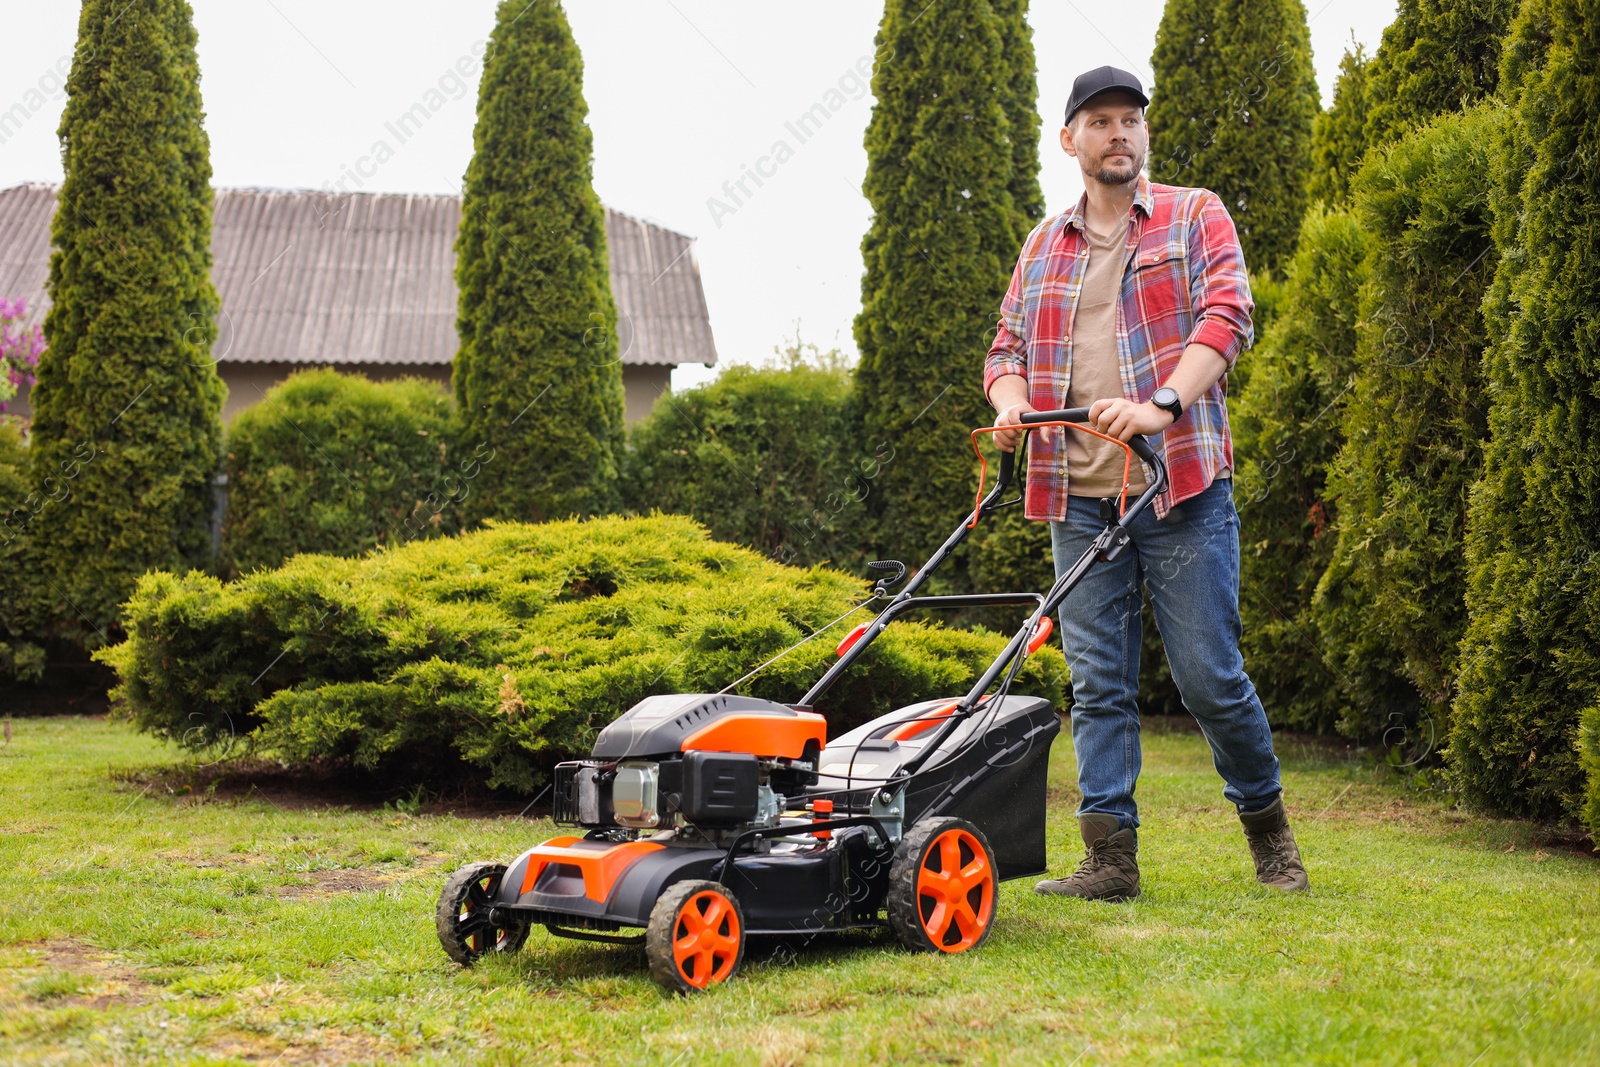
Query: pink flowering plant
x,y
20,345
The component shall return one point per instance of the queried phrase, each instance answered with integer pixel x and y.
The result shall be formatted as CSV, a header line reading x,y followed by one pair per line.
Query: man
x,y
1135,304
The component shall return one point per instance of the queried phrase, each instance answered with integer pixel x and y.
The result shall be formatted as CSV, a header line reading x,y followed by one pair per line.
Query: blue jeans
x,y
1188,563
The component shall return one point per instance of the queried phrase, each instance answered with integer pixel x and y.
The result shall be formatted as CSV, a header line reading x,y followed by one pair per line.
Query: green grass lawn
x,y
143,924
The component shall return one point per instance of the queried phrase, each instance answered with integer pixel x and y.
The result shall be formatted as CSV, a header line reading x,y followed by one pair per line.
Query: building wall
x,y
248,382
641,384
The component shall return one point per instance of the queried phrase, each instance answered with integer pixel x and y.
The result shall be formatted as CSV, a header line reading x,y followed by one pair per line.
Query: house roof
x,y
313,277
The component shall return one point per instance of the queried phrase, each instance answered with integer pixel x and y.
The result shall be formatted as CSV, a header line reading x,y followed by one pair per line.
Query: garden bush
x,y
1019,93
1010,552
1437,56
338,464
764,457
19,657
499,652
1337,140
21,343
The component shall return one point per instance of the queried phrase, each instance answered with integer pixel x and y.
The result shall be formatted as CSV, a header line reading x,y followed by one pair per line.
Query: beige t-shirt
x,y
1094,466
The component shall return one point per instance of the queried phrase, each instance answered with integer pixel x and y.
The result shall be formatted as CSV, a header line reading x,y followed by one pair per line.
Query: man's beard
x,y
1107,176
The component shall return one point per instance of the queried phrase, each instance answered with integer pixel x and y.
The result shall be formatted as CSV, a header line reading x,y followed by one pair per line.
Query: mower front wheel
x,y
696,936
466,920
942,887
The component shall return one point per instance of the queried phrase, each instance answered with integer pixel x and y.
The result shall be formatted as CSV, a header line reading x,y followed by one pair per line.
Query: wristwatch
x,y
1167,399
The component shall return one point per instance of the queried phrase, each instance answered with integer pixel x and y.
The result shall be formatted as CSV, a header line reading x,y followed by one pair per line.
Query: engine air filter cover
x,y
720,787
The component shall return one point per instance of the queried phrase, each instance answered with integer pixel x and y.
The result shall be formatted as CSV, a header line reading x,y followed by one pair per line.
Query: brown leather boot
x,y
1272,846
1110,869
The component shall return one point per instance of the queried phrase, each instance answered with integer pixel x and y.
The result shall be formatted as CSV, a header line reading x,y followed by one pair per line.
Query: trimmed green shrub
x,y
943,239
761,457
1288,424
537,378
1231,111
338,464
1414,426
127,429
1529,662
1338,137
1436,56
1010,552
19,658
502,651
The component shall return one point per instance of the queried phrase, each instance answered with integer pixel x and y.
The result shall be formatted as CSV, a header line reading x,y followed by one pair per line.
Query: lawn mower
x,y
704,819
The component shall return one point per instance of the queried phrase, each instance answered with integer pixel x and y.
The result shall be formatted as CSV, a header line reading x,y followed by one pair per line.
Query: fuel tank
x,y
662,726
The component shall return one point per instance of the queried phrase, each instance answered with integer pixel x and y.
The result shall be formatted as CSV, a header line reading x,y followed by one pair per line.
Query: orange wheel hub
x,y
955,891
705,939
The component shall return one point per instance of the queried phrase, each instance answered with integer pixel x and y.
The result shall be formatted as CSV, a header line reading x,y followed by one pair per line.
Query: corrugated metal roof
x,y
310,277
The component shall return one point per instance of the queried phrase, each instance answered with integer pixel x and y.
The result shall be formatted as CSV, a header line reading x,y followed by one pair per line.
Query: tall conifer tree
x,y
1020,99
1338,140
1010,550
1529,660
127,430
1436,56
1231,111
938,255
537,376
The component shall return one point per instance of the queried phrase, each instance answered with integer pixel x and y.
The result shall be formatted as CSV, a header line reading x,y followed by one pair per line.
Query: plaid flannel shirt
x,y
1183,281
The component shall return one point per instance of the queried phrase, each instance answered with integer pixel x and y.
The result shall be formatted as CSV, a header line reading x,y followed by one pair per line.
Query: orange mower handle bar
x,y
1073,419
1107,545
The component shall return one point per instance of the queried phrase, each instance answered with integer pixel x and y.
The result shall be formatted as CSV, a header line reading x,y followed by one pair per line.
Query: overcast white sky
x,y
683,94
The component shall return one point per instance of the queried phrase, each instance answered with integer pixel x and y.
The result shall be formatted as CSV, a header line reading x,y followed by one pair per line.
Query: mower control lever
x,y
888,581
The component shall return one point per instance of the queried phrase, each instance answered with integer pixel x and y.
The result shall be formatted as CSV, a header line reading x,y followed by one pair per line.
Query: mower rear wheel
x,y
696,936
942,886
468,927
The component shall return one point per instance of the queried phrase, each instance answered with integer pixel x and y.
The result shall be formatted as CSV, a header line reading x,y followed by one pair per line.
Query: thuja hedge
x,y
1393,596
499,652
336,463
1288,425
1528,658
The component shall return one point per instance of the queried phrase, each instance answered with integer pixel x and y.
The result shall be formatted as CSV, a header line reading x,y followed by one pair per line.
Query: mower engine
x,y
708,766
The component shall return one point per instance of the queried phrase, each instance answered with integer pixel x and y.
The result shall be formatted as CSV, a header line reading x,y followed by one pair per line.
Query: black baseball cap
x,y
1100,80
